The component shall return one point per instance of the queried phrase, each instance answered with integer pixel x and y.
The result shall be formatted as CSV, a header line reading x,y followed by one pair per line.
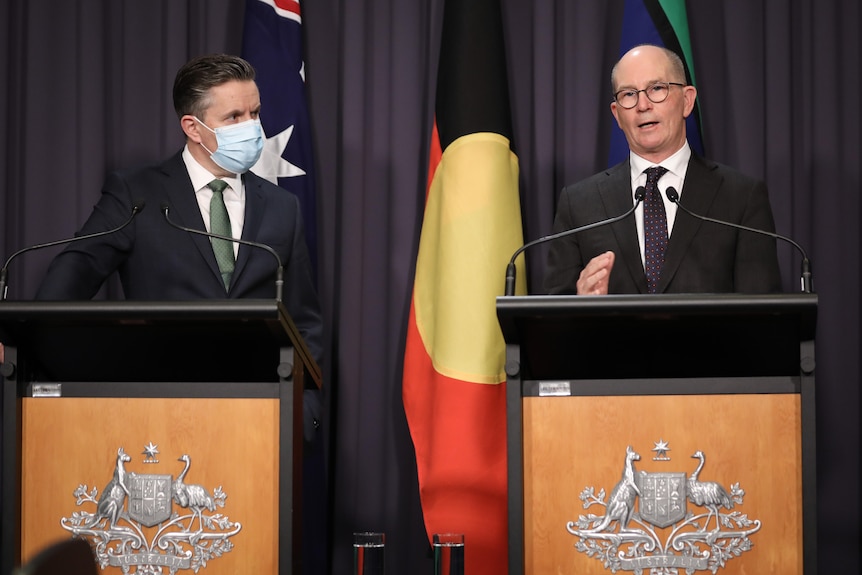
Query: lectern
x,y
661,433
168,434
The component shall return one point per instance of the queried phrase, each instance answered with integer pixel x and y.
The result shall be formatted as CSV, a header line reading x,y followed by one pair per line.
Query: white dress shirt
x,y
234,195
676,165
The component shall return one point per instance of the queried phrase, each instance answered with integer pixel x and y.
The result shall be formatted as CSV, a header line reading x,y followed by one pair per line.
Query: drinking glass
x,y
448,554
368,553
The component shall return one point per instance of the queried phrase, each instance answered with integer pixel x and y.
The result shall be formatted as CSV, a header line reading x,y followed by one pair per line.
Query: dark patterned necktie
x,y
220,224
655,228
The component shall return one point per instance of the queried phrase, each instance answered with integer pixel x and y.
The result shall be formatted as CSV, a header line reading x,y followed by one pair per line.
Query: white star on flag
x,y
271,164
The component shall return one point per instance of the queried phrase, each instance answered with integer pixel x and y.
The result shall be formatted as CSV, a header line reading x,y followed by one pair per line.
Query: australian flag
x,y
272,43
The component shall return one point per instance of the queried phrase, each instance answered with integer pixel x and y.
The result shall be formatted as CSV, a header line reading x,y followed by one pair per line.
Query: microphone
x,y
279,274
511,271
673,196
137,207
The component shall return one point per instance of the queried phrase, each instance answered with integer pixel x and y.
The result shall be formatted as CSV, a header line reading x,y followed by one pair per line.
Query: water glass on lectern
x,y
448,554
368,553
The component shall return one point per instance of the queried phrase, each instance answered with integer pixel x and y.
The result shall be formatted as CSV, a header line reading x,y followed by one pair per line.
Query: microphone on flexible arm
x,y
511,271
137,207
279,274
673,196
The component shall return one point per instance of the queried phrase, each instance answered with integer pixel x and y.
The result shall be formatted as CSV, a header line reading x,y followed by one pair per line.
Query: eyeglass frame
x,y
637,94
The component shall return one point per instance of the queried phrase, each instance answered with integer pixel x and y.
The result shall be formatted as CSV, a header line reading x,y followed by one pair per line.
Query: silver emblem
x,y
661,450
625,538
120,527
662,498
150,452
149,499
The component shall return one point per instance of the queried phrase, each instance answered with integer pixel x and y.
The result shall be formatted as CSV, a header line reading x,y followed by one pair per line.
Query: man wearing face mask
x,y
217,102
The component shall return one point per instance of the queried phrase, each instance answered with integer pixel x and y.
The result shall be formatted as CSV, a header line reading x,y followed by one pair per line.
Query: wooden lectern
x,y
168,434
661,432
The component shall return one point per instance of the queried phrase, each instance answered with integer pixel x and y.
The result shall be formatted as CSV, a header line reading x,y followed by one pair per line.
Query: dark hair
x,y
194,80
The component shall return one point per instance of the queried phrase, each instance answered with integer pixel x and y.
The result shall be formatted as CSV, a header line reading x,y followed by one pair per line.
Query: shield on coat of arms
x,y
662,498
149,498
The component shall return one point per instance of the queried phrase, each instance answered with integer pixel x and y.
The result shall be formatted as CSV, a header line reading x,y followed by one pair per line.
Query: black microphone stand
x,y
511,270
137,208
279,272
673,196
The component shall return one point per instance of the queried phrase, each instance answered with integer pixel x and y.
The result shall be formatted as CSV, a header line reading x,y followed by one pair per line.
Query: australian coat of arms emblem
x,y
134,523
648,526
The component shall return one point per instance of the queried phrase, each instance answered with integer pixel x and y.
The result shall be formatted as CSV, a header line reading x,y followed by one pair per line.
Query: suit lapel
x,y
254,207
699,190
184,208
616,194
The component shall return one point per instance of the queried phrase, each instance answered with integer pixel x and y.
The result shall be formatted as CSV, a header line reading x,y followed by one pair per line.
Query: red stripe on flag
x,y
435,155
459,431
289,5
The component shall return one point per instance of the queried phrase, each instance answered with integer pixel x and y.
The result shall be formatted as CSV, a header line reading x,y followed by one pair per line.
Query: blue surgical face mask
x,y
239,145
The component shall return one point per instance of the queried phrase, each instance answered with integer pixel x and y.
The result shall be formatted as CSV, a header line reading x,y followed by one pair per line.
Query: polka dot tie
x,y
655,228
220,224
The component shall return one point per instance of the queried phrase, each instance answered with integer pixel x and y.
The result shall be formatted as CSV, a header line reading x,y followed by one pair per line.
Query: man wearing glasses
x,y
660,249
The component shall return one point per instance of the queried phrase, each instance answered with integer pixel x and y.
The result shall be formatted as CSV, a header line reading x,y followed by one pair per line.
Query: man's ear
x,y
614,112
689,94
190,128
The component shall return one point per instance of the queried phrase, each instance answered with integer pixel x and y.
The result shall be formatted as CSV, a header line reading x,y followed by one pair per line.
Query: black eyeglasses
x,y
657,93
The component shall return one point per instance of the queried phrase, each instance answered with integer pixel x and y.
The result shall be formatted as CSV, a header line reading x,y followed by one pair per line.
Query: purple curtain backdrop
x,y
86,89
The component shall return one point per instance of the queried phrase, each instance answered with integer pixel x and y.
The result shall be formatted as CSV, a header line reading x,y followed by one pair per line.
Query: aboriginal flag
x,y
454,383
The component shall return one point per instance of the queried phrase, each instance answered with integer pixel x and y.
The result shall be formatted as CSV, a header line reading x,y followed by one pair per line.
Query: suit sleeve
x,y
757,269
82,267
565,261
299,291
300,298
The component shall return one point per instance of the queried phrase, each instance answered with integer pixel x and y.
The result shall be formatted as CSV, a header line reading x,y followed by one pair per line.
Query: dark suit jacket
x,y
701,257
158,262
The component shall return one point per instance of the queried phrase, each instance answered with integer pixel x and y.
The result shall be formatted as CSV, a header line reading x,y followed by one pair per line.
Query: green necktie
x,y
220,224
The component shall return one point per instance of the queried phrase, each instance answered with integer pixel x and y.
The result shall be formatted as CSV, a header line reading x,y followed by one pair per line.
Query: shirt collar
x,y
676,164
200,176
